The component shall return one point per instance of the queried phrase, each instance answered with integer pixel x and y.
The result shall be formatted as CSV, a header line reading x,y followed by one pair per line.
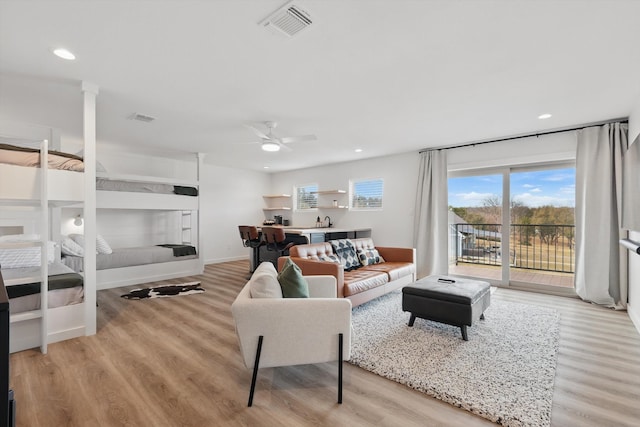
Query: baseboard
x,y
66,334
635,317
220,260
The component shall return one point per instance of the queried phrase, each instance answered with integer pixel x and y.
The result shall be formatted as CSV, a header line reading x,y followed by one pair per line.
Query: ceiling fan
x,y
271,142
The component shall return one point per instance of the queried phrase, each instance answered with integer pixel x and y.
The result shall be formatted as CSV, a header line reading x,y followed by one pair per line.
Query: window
x,y
366,193
307,197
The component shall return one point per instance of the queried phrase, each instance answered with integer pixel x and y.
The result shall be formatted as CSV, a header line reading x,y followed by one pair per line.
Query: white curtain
x,y
430,226
601,264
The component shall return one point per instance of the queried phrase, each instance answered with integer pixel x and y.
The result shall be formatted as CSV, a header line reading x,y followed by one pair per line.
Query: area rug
x,y
165,291
504,372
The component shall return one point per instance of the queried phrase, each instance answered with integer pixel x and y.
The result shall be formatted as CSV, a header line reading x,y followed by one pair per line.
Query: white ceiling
x,y
386,76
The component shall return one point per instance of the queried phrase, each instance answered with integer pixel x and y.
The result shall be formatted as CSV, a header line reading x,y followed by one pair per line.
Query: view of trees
x,y
544,221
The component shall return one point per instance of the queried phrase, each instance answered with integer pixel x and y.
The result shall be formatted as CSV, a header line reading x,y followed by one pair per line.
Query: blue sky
x,y
554,187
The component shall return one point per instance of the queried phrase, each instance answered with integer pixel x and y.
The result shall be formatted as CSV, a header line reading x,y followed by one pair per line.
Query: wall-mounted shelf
x,y
333,207
328,192
277,202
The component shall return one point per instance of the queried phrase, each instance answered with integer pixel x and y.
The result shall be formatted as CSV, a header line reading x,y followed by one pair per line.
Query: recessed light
x,y
265,167
358,150
64,54
544,116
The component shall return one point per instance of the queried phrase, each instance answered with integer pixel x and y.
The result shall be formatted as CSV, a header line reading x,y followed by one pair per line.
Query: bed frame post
x,y
90,92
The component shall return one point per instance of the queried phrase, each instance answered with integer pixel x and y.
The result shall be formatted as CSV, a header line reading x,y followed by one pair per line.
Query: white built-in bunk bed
x,y
151,262
30,202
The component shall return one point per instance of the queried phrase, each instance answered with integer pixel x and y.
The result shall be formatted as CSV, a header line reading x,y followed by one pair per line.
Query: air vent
x,y
288,20
141,117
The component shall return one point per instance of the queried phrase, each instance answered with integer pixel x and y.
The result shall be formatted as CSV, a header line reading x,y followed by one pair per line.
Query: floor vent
x,y
288,20
141,117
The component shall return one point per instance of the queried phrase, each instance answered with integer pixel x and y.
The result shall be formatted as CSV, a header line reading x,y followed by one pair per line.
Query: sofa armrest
x,y
322,286
311,267
296,330
398,254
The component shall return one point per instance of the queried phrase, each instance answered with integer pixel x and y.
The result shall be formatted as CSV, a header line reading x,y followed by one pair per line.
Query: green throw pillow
x,y
292,282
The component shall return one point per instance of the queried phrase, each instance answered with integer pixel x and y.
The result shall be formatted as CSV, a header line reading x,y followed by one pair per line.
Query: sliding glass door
x,y
542,226
514,225
475,225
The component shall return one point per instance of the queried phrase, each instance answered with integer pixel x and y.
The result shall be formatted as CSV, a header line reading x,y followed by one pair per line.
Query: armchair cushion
x,y
292,282
264,282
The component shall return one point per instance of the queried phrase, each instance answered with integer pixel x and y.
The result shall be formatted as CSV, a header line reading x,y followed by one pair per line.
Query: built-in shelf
x,y
276,202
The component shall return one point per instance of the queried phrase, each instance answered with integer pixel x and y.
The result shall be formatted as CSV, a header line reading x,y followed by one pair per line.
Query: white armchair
x,y
293,331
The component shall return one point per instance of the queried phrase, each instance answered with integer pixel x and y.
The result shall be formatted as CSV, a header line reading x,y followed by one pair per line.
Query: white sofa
x,y
276,331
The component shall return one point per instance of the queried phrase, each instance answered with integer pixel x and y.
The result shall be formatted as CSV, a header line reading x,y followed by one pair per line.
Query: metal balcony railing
x,y
544,247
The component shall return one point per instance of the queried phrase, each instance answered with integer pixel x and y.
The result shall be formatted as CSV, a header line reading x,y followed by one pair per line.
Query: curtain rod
x,y
527,135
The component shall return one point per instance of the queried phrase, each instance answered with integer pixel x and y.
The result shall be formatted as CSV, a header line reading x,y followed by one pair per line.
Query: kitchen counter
x,y
301,235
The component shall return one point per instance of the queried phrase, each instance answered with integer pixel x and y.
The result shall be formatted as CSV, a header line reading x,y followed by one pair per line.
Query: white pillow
x,y
264,282
78,238
102,246
69,247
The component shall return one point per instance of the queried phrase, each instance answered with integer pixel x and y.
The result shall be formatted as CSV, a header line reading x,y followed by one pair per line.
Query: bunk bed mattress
x,y
128,257
144,187
24,257
22,156
65,288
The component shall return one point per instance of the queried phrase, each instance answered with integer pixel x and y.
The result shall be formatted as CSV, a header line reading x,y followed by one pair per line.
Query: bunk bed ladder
x,y
187,224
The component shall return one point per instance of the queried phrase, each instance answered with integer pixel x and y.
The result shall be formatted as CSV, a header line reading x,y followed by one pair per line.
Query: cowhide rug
x,y
165,291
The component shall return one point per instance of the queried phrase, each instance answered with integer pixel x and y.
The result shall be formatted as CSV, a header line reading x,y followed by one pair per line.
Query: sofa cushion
x,y
264,282
293,284
311,251
395,270
346,252
357,281
369,256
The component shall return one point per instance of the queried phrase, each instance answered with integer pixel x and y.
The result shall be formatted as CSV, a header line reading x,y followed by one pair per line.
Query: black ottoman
x,y
447,300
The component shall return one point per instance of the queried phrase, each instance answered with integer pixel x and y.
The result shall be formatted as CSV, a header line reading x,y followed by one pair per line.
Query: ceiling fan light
x,y
270,146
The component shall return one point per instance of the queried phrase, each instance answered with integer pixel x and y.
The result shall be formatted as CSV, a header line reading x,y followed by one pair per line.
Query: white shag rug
x,y
504,372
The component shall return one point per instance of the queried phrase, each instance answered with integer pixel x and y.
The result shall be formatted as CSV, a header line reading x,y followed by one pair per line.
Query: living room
x,y
486,88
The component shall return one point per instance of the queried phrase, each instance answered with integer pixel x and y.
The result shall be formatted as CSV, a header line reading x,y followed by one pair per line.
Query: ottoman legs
x,y
412,319
463,328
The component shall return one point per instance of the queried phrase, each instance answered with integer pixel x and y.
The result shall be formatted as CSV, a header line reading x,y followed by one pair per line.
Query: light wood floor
x,y
175,362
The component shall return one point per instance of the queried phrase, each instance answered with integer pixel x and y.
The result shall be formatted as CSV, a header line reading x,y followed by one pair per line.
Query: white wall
x,y
634,260
391,226
229,198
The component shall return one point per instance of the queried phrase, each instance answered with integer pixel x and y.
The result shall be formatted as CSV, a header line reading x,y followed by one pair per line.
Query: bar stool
x,y
251,239
277,240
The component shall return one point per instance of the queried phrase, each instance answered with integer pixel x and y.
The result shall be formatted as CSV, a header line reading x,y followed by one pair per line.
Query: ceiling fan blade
x,y
284,147
257,131
301,138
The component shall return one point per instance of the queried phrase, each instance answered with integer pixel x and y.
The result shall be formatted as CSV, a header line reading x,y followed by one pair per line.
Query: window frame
x,y
353,182
310,189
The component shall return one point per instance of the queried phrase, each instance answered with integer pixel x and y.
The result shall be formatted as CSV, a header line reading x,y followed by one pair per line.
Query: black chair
x,y
251,239
276,240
